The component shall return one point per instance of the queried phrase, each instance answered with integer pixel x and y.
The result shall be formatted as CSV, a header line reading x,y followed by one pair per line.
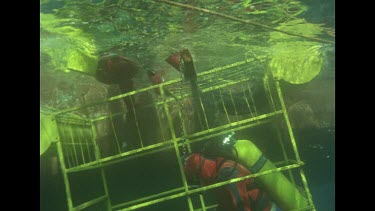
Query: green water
x,y
73,33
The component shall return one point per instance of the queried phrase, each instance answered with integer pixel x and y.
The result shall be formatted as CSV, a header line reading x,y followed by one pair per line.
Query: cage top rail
x,y
182,94
214,70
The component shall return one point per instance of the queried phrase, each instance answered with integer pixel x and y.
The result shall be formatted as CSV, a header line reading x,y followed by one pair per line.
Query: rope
x,y
242,21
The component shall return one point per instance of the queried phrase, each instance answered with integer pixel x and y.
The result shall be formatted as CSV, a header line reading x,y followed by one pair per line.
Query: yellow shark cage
x,y
227,103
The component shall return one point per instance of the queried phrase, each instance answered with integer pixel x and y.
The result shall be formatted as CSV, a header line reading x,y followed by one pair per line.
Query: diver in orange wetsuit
x,y
214,164
245,195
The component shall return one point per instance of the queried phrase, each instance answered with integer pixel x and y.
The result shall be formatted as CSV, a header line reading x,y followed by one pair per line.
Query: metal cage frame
x,y
79,153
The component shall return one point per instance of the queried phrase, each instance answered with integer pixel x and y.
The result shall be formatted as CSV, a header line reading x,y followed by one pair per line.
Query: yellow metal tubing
x,y
227,126
151,87
290,131
178,156
65,175
260,122
97,155
114,132
252,100
111,161
205,188
278,133
89,203
61,137
136,122
305,208
234,105
223,104
247,102
72,139
99,162
202,202
208,207
279,92
118,206
106,189
107,116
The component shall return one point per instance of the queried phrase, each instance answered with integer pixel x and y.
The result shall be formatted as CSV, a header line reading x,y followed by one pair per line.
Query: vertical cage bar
x,y
74,148
252,99
234,105
136,121
97,155
278,133
215,122
87,145
184,133
247,102
182,118
64,173
160,124
202,202
109,203
291,135
94,142
183,126
81,142
222,101
225,109
70,149
204,112
286,117
268,89
199,119
66,148
308,193
114,132
178,155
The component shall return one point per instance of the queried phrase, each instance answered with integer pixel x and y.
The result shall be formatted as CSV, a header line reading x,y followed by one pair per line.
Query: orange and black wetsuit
x,y
241,196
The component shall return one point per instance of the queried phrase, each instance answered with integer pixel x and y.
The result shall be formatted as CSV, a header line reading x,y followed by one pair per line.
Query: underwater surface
x,y
292,40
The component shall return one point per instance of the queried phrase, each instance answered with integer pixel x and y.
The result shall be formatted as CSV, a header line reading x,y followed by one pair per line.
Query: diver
x,y
229,158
